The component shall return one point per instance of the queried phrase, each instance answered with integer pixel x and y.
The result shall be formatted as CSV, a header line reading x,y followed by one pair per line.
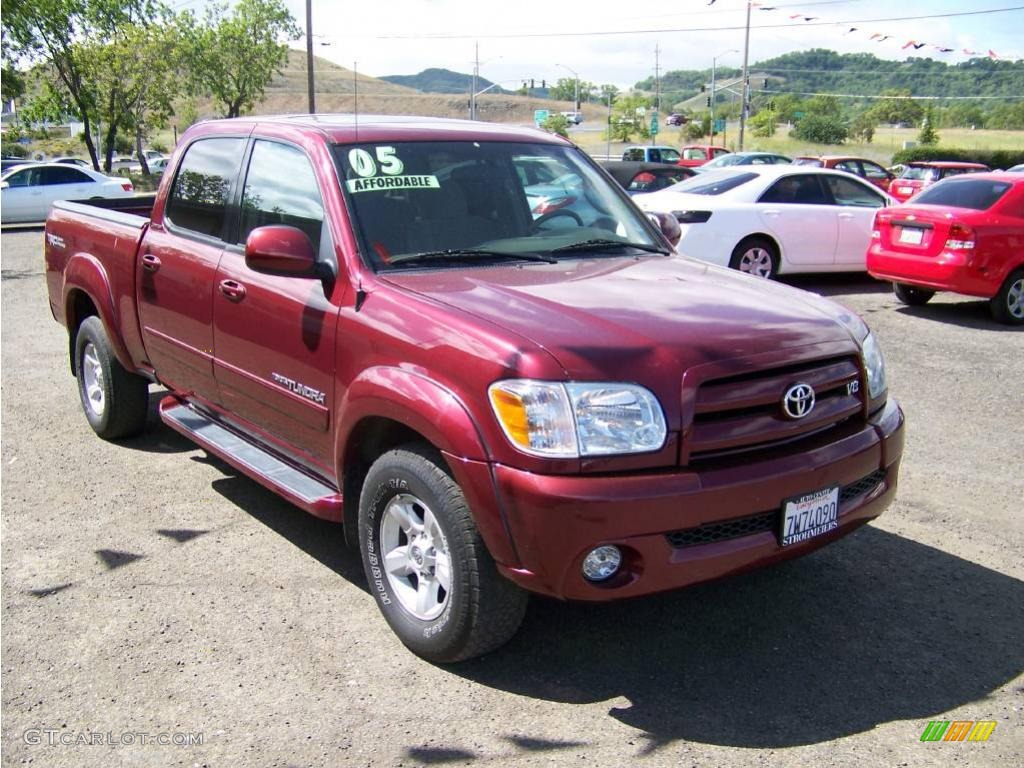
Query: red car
x,y
370,320
869,171
964,235
694,155
916,176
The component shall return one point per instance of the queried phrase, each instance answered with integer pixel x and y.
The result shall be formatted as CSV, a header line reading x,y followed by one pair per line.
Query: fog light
x,y
602,563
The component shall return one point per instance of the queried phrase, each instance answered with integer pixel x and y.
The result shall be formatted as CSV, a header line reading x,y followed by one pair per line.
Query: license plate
x,y
906,190
811,515
911,235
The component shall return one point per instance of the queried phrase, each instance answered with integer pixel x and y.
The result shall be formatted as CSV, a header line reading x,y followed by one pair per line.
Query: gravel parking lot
x,y
152,595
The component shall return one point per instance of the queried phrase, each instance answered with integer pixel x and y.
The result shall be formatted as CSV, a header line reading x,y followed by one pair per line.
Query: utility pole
x,y
657,85
746,80
309,56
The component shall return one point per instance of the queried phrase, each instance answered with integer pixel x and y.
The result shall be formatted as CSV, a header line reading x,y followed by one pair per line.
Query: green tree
x,y
823,106
66,36
963,116
863,127
233,56
820,130
897,107
626,121
609,90
556,123
928,136
763,123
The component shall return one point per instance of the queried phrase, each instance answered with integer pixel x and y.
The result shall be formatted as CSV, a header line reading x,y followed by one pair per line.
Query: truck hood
x,y
615,317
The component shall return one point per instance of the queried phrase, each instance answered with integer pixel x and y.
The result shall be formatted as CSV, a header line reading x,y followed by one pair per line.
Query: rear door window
x,y
66,175
800,189
199,198
850,193
872,171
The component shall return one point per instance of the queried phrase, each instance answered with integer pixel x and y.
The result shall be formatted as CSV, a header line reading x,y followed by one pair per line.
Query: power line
x,y
889,96
733,28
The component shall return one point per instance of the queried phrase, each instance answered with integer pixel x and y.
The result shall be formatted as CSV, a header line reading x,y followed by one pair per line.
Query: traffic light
x,y
543,83
703,88
709,101
764,83
531,82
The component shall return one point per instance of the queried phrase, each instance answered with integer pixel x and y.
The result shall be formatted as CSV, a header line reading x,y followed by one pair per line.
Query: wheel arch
x,y
87,293
386,407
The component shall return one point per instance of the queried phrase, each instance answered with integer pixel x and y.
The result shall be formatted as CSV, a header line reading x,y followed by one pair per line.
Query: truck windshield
x,y
455,202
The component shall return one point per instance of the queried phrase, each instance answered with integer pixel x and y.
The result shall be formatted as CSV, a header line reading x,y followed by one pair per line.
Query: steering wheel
x,y
553,214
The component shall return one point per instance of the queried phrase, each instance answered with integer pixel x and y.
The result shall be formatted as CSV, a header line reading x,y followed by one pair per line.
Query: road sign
x,y
654,124
540,115
719,126
798,115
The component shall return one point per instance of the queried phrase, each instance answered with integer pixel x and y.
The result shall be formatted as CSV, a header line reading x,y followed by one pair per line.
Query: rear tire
x,y
911,295
756,256
116,402
427,567
1007,306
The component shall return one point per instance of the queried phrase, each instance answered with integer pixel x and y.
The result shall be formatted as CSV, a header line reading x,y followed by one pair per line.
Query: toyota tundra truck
x,y
373,319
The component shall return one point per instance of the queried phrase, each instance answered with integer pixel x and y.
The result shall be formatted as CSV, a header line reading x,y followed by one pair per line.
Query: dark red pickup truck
x,y
375,320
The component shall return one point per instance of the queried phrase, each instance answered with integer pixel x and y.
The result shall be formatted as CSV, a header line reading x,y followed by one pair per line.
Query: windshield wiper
x,y
467,254
604,245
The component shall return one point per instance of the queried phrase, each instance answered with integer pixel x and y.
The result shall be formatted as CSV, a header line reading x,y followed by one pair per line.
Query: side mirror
x,y
280,249
669,226
5,184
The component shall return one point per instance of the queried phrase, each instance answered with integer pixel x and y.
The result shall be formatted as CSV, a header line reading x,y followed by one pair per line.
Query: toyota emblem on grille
x,y
798,401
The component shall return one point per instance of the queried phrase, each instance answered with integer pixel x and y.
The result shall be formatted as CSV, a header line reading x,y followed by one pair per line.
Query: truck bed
x,y
94,245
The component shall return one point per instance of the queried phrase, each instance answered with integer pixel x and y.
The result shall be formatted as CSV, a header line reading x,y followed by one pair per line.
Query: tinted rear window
x,y
713,183
979,194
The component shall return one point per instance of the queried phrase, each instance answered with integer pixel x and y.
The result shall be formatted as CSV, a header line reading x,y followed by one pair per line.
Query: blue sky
x,y
399,36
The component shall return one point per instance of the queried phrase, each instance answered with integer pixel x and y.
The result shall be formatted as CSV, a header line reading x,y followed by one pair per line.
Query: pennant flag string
x,y
878,37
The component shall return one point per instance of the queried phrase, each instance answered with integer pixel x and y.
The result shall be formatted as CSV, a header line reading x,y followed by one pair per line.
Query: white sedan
x,y
27,191
773,219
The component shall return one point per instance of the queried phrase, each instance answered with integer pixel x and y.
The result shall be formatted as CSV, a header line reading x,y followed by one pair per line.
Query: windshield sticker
x,y
363,164
392,182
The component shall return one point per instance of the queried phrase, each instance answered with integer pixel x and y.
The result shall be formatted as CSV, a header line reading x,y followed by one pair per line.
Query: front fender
x,y
85,273
435,412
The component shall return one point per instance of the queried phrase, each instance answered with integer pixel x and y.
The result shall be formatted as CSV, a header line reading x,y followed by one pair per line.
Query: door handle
x,y
773,212
150,263
845,215
233,289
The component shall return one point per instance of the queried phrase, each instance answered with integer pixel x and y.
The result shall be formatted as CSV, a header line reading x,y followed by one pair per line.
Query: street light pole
x,y
711,105
575,74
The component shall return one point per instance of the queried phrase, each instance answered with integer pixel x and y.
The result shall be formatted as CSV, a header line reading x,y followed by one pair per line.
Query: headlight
x,y
546,418
874,363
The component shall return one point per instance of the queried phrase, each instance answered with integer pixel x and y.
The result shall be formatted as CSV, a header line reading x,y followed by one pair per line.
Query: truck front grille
x,y
744,413
709,533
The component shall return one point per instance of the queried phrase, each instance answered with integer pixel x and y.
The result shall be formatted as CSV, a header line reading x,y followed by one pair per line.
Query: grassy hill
x,y
336,92
436,80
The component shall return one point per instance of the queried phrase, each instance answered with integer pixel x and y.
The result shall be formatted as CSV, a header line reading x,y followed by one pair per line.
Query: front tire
x,y
1007,306
115,401
756,256
911,295
427,567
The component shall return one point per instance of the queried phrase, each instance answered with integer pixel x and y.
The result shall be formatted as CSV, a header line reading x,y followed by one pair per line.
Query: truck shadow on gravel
x,y
873,629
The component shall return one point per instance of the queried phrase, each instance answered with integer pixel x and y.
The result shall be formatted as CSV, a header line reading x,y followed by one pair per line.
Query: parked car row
x,y
963,233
